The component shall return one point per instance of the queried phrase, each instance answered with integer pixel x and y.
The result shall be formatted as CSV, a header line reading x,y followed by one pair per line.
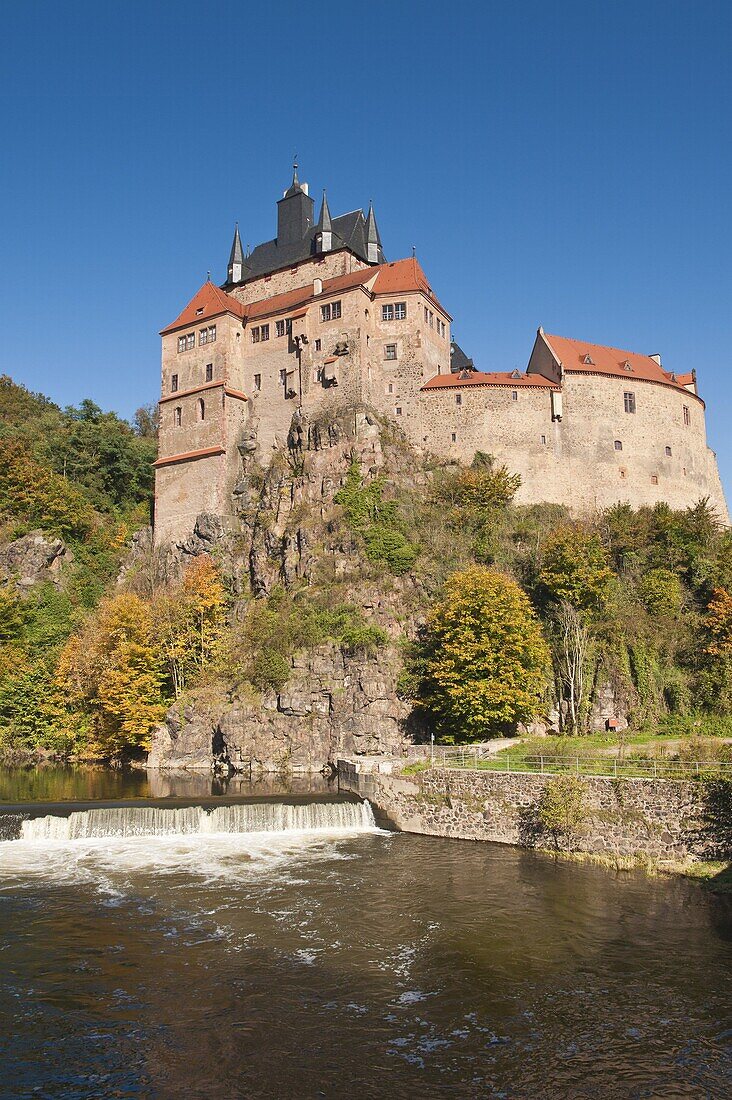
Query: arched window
x,y
201,409
618,445
177,415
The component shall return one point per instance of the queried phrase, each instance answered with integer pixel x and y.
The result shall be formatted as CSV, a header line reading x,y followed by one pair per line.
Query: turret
x,y
324,238
373,240
236,259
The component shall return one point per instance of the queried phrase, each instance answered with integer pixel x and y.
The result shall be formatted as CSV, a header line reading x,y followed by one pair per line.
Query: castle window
x,y
318,374
687,416
458,399
668,452
623,473
654,479
514,395
400,310
177,416
390,387
279,328
174,383
190,341
453,438
618,445
209,372
265,332
181,344
398,410
426,314
203,337
318,345
387,313
629,402
283,377
211,333
201,409
432,320
257,382
256,334
543,440
390,351
331,311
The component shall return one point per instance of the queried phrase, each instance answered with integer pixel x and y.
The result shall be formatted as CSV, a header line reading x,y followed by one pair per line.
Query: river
x,y
285,947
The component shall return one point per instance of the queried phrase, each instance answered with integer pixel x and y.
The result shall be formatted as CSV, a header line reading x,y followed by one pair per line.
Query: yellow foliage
x,y
112,670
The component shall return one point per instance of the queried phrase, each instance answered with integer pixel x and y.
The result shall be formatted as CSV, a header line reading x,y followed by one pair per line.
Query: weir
x,y
259,817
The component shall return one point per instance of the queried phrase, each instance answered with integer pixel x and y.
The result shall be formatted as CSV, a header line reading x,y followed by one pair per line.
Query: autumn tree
x,y
482,663
189,621
111,672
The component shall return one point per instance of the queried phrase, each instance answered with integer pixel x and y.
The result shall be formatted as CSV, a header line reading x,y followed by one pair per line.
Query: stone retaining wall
x,y
626,817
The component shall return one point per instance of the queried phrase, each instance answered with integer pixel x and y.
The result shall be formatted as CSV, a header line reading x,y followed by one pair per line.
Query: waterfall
x,y
258,817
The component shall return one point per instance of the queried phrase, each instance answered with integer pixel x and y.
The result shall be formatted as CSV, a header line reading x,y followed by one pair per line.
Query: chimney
x,y
656,359
317,286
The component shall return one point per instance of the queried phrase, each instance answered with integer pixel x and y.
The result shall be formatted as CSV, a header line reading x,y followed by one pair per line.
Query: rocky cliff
x,y
291,534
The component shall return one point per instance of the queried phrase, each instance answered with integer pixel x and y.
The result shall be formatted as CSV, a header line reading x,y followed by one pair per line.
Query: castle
x,y
318,318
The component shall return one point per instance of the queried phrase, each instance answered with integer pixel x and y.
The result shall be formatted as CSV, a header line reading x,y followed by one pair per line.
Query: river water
x,y
285,947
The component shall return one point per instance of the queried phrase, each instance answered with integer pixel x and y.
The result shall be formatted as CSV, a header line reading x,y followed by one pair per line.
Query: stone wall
x,y
575,461
626,817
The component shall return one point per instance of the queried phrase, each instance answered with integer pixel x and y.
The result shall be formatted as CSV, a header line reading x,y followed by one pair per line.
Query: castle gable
x,y
209,301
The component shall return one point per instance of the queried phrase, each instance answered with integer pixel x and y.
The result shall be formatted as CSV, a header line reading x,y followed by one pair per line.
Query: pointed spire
x,y
236,256
295,187
373,240
324,221
236,259
324,228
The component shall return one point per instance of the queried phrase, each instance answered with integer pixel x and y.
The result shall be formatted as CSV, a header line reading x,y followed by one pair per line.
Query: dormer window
x,y
627,366
588,360
516,373
199,311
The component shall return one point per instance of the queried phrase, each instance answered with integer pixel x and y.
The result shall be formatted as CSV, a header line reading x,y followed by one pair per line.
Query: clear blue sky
x,y
564,164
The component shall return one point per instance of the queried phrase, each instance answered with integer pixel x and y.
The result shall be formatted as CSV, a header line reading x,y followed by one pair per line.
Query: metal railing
x,y
479,758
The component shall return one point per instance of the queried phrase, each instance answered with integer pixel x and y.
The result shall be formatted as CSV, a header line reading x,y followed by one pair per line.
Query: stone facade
x,y
333,328
658,819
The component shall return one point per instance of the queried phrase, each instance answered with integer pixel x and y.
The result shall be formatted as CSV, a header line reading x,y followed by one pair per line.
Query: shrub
x,y
563,808
270,669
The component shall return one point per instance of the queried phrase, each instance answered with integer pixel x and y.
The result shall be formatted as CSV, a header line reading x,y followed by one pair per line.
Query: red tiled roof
x,y
687,379
404,275
399,277
212,301
584,358
485,378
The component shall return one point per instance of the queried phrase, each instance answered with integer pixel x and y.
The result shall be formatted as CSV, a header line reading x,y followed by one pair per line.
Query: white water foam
x,y
155,821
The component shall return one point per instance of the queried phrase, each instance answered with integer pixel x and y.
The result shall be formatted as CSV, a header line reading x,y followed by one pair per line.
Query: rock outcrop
x,y
333,704
33,559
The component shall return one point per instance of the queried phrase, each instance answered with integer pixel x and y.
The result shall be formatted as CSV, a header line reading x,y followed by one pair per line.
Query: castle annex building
x,y
318,318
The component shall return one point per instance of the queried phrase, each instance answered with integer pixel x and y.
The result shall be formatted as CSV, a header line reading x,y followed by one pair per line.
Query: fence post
x,y
578,765
615,766
541,762
697,767
655,770
507,760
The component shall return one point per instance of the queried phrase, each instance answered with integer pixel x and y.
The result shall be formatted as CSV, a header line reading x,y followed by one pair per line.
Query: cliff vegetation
x,y
453,610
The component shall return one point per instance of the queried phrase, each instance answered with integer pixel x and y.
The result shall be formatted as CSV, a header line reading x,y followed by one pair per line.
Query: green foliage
x,y
575,569
270,669
377,521
661,592
563,808
481,664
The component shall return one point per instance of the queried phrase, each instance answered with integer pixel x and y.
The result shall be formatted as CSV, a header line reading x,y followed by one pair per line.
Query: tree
x,y
189,621
111,671
575,569
481,665
572,647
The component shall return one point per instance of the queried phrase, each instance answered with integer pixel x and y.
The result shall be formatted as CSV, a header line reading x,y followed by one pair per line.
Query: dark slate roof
x,y
349,231
458,359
